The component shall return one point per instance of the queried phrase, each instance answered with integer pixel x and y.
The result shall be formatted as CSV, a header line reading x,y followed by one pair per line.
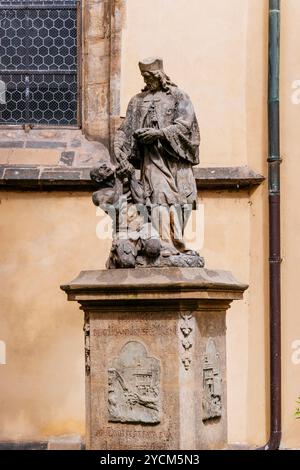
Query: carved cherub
x,y
121,196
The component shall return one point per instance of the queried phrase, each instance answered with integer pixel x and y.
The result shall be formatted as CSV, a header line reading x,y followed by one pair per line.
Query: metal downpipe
x,y
274,161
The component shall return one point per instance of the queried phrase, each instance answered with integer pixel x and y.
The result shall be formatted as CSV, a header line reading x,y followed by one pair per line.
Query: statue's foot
x,y
191,253
168,250
166,253
181,260
122,255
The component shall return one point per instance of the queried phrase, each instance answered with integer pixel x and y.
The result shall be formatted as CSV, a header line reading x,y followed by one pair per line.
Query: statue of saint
x,y
160,136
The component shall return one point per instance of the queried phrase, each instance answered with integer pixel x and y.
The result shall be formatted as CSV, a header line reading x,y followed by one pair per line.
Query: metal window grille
x,y
38,61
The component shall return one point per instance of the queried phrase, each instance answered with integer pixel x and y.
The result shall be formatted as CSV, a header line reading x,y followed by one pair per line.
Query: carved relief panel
x,y
212,383
134,386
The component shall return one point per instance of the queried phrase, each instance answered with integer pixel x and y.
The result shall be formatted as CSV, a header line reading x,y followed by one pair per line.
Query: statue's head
x,y
102,173
152,70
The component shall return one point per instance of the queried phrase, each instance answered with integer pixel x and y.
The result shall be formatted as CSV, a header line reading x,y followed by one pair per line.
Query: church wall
x,y
217,52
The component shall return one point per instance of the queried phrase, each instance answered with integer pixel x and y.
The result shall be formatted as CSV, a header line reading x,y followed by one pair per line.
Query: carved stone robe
x,y
166,164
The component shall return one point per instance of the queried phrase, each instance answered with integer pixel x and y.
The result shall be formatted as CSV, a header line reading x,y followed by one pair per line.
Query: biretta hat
x,y
151,64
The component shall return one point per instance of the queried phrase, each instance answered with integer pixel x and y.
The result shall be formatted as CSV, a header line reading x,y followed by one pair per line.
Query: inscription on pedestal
x,y
211,402
134,386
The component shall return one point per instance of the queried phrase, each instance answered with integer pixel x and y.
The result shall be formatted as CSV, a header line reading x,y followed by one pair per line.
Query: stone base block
x,y
67,442
155,346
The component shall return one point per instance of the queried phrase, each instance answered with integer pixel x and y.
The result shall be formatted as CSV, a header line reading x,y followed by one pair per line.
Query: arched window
x,y
38,62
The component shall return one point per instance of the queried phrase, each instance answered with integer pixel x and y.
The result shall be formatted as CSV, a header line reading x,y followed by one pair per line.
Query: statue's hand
x,y
148,135
119,153
125,169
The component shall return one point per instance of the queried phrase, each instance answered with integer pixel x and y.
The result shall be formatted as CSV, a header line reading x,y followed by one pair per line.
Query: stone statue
x,y
160,137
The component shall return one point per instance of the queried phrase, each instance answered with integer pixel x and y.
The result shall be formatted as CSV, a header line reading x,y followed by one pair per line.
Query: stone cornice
x,y
154,284
60,178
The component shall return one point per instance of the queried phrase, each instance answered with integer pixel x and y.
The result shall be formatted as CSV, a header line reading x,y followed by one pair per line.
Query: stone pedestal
x,y
155,356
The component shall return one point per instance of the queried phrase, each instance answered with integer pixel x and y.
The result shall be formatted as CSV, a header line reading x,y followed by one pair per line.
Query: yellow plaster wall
x,y
203,46
46,239
217,52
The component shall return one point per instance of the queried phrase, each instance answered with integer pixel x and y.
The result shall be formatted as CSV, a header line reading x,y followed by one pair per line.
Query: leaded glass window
x,y
38,61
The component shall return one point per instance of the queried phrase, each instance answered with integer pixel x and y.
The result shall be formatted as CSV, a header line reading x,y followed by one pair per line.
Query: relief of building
x,y
212,383
134,386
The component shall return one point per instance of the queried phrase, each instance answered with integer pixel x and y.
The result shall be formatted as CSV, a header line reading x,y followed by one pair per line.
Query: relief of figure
x,y
160,136
121,196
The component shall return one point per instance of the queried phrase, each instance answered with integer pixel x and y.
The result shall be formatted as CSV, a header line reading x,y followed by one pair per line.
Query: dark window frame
x,y
55,72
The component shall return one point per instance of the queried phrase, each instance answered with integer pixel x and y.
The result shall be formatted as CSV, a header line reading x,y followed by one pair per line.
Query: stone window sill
x,y
49,148
61,159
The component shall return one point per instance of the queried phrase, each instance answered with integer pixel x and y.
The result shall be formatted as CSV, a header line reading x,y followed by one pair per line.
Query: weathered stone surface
x,y
67,158
23,445
46,147
38,178
103,21
84,182
150,346
212,393
196,283
180,260
109,332
61,175
211,325
134,386
76,142
68,442
227,178
34,144
22,173
11,144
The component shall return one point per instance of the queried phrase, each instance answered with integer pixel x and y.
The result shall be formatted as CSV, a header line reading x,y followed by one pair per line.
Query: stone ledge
x,y
67,442
23,445
49,147
57,443
58,178
236,177
155,284
31,177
